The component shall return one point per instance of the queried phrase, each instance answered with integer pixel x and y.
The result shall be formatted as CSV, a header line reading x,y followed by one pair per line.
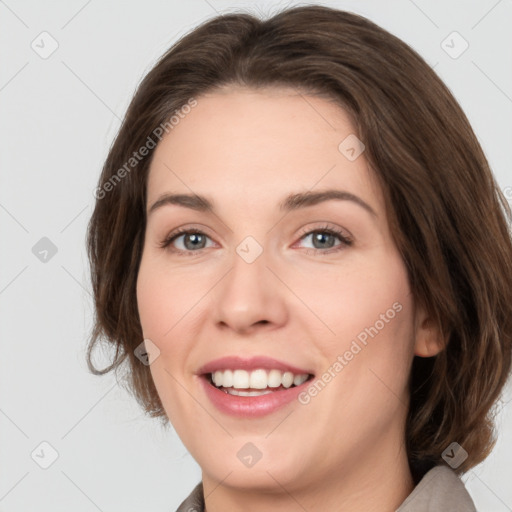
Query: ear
x,y
428,339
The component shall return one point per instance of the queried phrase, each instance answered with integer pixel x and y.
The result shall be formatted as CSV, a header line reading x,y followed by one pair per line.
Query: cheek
x,y
163,297
151,302
352,299
370,310
171,312
162,304
370,355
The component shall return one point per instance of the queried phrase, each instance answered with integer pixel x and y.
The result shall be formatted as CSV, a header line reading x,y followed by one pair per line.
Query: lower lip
x,y
250,406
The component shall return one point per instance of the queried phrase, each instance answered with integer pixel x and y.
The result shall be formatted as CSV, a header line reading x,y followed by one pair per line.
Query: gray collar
x,y
439,489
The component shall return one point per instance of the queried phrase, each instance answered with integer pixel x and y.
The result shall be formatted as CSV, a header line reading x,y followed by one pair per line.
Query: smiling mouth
x,y
257,383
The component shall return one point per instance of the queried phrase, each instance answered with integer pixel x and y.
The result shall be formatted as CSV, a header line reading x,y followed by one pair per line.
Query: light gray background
x,y
58,116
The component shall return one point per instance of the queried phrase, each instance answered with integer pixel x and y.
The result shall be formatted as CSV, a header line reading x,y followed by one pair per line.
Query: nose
x,y
250,297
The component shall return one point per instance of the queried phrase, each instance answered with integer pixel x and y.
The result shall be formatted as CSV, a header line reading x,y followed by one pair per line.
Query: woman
x,y
359,371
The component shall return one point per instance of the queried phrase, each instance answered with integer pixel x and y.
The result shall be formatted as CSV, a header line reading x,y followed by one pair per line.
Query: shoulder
x,y
440,489
194,502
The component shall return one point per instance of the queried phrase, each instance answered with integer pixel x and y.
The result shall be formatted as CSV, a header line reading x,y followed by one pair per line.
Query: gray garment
x,y
440,490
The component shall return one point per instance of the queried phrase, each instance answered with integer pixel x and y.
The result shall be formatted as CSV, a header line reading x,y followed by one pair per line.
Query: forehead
x,y
262,143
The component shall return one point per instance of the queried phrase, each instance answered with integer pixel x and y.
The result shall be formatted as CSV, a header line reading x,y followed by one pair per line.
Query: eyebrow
x,y
290,203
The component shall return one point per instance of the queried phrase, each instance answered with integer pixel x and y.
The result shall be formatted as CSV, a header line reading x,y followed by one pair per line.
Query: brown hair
x,y
448,217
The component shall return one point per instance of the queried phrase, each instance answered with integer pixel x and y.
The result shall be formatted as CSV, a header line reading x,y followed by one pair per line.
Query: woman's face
x,y
269,280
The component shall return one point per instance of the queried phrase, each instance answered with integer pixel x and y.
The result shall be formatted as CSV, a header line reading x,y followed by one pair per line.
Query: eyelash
x,y
345,240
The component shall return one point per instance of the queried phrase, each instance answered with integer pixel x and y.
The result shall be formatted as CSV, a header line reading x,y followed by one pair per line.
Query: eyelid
x,y
180,231
327,226
346,239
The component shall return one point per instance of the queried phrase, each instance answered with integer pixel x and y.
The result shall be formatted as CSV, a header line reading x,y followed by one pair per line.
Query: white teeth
x,y
240,379
217,378
274,378
227,378
256,379
287,379
237,392
300,379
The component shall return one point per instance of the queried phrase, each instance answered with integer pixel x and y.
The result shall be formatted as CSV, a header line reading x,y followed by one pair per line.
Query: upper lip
x,y
250,363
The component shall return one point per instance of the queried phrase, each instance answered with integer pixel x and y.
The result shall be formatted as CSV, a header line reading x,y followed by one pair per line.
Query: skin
x,y
300,302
